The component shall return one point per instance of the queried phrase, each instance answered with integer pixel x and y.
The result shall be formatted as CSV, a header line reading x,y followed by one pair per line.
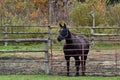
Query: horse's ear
x,y
65,25
60,25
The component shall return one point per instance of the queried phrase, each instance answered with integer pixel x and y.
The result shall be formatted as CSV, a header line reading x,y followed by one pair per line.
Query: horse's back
x,y
84,40
80,42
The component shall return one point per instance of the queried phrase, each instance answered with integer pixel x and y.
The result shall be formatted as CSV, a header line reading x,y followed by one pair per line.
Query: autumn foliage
x,y
20,12
42,12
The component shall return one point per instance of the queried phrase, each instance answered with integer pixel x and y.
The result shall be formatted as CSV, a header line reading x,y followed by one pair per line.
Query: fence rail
x,y
6,33
23,51
24,33
24,40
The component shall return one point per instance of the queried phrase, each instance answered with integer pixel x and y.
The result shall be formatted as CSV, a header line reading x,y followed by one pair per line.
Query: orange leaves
x,y
8,14
33,15
100,6
20,7
45,20
39,3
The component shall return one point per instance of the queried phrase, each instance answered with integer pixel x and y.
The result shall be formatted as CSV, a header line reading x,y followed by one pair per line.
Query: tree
x,y
82,1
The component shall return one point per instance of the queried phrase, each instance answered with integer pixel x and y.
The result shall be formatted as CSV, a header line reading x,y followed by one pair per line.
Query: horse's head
x,y
63,32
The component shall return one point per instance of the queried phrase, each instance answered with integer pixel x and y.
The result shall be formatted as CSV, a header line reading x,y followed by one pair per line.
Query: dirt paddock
x,y
100,63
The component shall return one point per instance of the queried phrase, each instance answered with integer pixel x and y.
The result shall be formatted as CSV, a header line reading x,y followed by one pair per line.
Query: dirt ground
x,y
99,62
21,63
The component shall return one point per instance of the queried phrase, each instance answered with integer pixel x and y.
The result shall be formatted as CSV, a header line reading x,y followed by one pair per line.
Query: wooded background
x,y
72,12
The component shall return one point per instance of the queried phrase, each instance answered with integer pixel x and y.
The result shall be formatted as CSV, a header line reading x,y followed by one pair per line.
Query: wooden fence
x,y
6,40
95,32
105,34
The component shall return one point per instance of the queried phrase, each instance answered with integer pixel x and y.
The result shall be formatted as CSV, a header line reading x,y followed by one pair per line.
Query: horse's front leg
x,y
77,64
68,64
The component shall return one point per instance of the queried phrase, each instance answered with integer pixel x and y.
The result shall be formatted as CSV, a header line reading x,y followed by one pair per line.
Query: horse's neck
x,y
69,39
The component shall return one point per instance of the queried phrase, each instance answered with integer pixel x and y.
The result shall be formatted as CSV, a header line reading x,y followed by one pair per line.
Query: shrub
x,y
80,14
114,15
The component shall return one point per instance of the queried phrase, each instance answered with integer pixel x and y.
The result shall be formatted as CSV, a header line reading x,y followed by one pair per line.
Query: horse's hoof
x,y
77,74
83,75
68,74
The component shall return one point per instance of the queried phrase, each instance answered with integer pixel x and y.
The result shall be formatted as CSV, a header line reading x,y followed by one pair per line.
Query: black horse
x,y
76,46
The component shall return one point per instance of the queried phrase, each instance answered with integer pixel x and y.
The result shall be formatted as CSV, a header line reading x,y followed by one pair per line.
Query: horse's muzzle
x,y
59,39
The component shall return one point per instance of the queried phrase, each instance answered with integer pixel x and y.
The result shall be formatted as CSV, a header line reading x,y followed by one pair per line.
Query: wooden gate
x,y
13,38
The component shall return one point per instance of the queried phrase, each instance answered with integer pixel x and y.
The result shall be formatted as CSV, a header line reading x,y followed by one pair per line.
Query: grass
x,y
23,47
51,77
54,47
38,46
22,54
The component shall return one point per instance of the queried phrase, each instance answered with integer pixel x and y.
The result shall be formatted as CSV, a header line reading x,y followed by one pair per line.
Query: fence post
x,y
46,58
5,35
92,29
47,67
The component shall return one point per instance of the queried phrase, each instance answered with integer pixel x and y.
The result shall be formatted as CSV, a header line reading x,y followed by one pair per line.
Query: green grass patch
x,y
106,46
23,47
51,77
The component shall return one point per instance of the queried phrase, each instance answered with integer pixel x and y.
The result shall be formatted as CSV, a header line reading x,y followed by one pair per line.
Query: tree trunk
x,y
82,1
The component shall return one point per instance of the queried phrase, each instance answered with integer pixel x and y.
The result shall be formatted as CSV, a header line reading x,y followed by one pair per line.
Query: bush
x,y
80,14
114,15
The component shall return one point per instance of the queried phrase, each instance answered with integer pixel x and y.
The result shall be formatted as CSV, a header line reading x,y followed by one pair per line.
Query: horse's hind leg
x,y
83,64
68,64
77,64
